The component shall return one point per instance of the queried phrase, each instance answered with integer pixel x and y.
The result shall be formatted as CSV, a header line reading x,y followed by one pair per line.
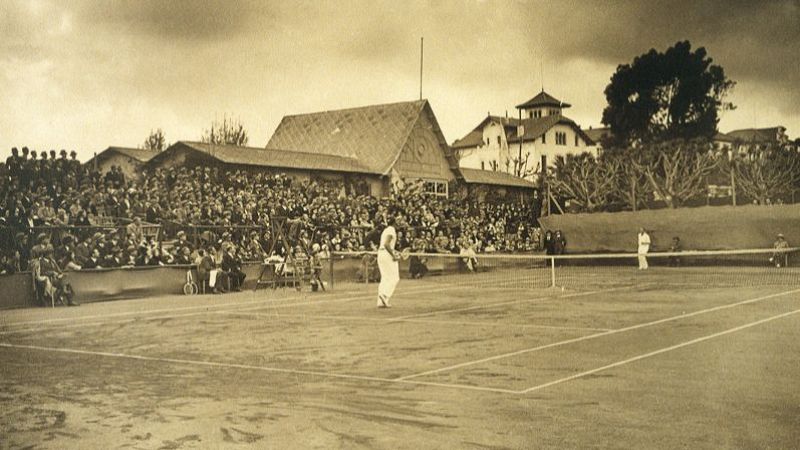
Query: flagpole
x,y
421,54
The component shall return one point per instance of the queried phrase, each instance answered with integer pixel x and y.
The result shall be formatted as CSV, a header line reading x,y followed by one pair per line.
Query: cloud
x,y
90,74
178,20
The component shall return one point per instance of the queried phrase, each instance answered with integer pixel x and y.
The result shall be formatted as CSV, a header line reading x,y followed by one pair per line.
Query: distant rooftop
x,y
543,99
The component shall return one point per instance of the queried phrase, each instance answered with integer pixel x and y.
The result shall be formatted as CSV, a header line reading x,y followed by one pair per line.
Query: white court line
x,y
597,335
251,367
259,304
443,322
658,352
333,294
491,305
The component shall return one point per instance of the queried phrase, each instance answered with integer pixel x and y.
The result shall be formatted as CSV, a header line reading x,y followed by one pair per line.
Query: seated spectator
x,y
417,265
134,230
50,280
70,264
93,262
7,265
468,252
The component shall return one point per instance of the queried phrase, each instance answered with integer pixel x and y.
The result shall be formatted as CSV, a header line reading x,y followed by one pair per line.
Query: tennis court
x,y
670,357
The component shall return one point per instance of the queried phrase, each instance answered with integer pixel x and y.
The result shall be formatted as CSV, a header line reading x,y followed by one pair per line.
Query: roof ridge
x,y
328,111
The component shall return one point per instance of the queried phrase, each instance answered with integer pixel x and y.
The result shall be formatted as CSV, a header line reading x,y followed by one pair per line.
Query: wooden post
x,y
733,182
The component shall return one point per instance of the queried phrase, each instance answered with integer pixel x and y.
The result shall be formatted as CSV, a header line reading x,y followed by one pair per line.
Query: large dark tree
x,y
664,96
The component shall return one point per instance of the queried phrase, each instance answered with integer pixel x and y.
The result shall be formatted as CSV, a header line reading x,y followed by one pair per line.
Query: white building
x,y
498,143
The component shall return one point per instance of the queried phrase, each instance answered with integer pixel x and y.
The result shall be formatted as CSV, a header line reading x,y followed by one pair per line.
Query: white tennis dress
x,y
390,272
644,247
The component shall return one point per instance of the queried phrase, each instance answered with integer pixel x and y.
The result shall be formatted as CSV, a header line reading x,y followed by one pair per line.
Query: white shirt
x,y
388,231
644,242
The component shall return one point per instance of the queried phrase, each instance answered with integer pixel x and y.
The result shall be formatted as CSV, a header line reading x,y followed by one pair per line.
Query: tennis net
x,y
753,267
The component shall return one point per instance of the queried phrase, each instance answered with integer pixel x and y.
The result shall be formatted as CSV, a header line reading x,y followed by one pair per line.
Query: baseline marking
x,y
251,367
597,335
658,352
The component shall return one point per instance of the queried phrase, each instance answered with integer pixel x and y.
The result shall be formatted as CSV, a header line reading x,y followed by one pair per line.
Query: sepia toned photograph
x,y
353,224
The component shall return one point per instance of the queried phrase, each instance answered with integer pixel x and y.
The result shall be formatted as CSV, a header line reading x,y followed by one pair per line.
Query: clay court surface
x,y
642,360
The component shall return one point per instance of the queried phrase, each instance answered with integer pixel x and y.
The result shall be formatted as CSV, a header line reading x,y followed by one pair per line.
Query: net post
x,y
330,267
552,272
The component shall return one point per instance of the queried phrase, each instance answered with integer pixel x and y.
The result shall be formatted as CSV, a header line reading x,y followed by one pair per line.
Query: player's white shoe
x,y
382,303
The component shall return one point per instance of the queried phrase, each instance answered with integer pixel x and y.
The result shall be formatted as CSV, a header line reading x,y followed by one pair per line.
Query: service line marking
x,y
598,335
510,302
431,321
658,352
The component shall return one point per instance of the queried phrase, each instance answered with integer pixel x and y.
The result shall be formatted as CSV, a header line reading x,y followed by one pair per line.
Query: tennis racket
x,y
405,253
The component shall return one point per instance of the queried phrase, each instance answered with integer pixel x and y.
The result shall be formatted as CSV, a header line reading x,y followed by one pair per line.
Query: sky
x,y
86,75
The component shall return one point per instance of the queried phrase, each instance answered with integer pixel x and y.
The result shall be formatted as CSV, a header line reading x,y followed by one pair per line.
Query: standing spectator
x,y
232,267
559,243
644,247
780,258
675,247
549,243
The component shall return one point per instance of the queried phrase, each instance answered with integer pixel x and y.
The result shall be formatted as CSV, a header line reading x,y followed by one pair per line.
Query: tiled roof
x,y
374,135
597,134
533,127
138,154
723,137
543,99
475,137
255,156
757,134
476,176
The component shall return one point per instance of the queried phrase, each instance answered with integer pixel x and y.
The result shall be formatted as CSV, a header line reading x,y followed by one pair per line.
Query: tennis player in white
x,y
644,247
387,264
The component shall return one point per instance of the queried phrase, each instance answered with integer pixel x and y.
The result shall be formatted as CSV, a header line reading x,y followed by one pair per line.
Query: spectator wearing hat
x,y
50,278
781,257
232,268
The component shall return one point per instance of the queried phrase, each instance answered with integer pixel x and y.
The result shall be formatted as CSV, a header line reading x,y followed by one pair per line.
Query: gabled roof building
x,y
497,143
130,160
374,146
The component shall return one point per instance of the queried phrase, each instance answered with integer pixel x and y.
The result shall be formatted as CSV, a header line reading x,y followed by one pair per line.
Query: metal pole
x,y
552,272
520,173
330,259
421,54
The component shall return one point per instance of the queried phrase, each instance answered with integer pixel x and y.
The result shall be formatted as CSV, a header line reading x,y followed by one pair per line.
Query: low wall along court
x,y
703,228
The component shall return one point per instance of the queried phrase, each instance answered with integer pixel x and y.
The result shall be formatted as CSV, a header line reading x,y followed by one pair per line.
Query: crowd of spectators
x,y
99,220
